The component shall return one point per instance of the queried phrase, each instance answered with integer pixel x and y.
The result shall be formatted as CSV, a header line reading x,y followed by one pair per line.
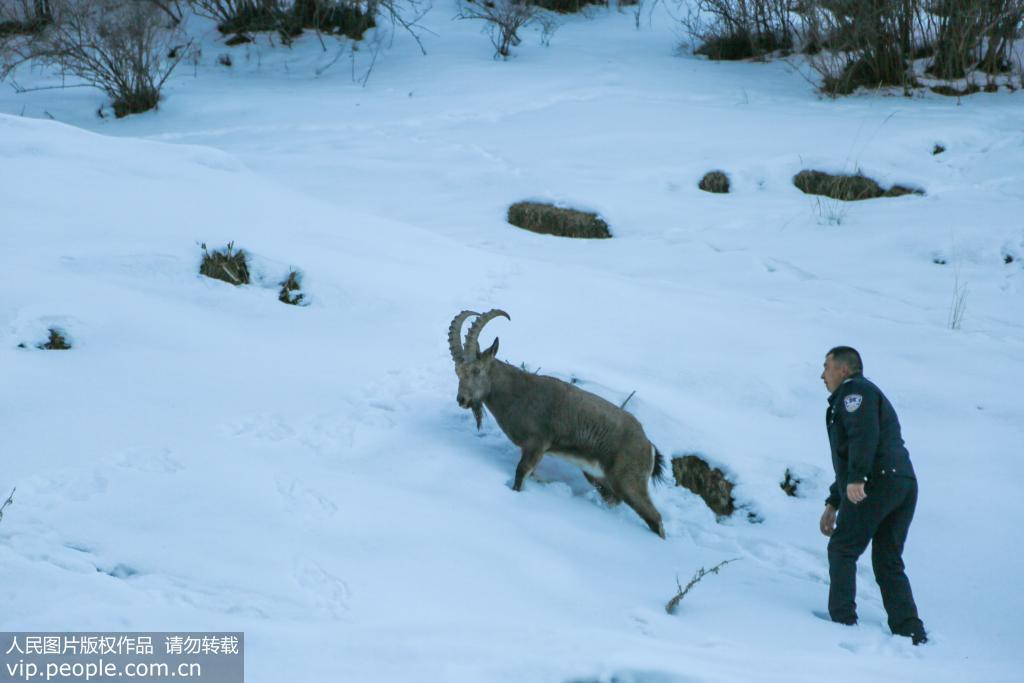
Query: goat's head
x,y
471,365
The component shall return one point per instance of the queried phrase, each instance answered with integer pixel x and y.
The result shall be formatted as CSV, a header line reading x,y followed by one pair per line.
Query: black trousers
x,y
883,519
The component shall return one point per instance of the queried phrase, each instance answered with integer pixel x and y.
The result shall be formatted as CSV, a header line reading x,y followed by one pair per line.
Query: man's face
x,y
834,373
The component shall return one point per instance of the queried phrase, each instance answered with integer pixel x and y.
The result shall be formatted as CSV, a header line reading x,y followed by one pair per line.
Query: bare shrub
x,y
739,29
21,21
973,34
673,604
860,43
124,48
503,20
9,501
873,43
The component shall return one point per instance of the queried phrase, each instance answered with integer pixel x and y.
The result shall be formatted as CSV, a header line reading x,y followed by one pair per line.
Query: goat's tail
x,y
658,475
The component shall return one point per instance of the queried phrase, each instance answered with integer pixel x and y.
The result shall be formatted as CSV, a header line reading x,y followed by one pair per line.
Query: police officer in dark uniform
x,y
874,495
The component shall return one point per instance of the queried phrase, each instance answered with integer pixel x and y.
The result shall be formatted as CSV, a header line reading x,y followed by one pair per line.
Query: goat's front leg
x,y
532,453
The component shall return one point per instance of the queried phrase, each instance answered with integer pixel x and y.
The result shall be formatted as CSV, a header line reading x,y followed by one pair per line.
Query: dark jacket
x,y
864,434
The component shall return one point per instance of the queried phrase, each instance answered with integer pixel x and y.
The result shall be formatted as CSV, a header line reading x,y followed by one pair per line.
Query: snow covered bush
x,y
127,49
738,29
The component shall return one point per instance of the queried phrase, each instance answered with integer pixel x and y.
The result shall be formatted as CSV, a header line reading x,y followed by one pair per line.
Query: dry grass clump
x,y
289,293
226,264
549,219
714,181
847,188
710,483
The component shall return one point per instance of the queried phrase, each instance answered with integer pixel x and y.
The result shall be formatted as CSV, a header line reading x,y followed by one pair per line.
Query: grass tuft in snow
x,y
714,181
57,341
790,483
549,219
847,188
227,264
710,483
290,286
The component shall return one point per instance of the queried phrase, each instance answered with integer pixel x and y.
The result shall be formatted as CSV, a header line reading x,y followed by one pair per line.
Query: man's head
x,y
840,363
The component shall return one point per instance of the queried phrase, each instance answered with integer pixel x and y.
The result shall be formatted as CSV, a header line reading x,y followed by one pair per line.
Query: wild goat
x,y
542,414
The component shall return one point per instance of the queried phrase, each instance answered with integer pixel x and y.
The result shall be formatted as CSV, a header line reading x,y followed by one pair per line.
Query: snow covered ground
x,y
208,458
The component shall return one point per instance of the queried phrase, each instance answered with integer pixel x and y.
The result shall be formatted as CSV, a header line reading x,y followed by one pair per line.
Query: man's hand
x,y
855,492
828,520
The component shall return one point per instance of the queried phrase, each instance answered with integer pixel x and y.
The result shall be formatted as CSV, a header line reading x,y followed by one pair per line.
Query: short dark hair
x,y
848,356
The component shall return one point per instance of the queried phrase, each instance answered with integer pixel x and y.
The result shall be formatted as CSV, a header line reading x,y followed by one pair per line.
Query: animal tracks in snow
x,y
307,502
328,592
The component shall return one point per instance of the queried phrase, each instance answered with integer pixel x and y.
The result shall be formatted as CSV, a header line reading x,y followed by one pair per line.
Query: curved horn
x,y
472,337
455,336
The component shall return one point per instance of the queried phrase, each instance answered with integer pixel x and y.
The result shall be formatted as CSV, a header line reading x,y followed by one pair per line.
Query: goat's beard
x,y
478,413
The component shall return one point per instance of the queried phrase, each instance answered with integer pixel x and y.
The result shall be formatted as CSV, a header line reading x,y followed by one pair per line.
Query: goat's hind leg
x,y
637,497
610,499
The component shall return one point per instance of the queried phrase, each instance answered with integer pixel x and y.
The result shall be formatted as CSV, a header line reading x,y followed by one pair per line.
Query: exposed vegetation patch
x,y
790,483
710,483
953,91
714,181
846,187
938,149
227,264
288,20
549,219
289,292
741,45
57,341
566,6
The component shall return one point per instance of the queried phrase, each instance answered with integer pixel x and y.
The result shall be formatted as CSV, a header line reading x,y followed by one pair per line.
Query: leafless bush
x,y
872,43
124,47
738,29
20,22
857,43
504,19
973,34
697,576
9,501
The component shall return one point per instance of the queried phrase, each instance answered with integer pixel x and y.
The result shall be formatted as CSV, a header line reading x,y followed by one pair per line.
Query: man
x,y
874,495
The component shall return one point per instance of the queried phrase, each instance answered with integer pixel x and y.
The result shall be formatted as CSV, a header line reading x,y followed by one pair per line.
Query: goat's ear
x,y
492,351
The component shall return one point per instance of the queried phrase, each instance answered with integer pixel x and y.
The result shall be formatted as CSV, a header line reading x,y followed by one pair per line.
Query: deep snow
x,y
208,458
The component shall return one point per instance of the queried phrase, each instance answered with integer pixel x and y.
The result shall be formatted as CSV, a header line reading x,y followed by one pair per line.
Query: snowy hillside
x,y
205,457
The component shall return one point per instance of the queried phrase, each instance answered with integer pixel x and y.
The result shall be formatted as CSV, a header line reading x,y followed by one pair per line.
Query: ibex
x,y
542,414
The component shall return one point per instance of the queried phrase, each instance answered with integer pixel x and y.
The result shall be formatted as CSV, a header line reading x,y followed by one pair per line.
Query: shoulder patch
x,y
852,402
